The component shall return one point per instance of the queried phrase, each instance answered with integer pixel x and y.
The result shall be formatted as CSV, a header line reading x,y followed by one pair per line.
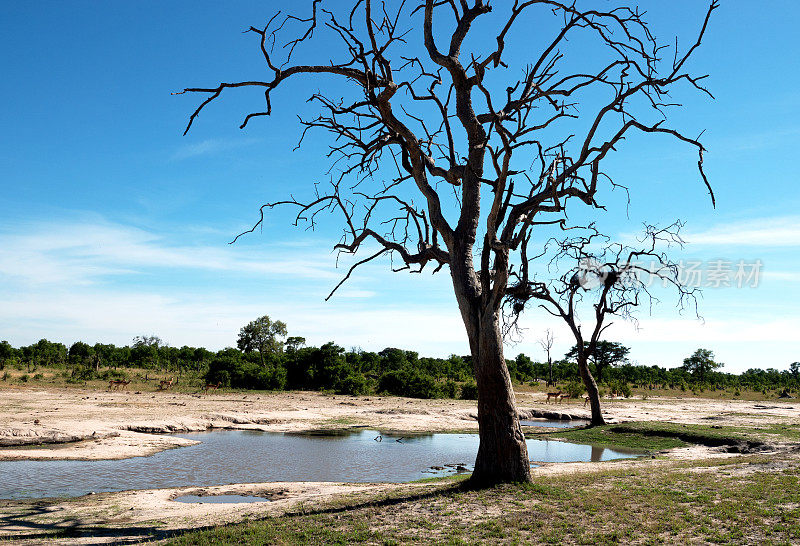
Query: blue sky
x,y
113,224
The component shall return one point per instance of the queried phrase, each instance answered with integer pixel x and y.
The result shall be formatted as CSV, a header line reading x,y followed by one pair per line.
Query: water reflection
x,y
236,456
551,423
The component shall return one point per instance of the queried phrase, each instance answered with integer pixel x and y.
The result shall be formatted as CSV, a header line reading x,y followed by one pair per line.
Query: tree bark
x,y
502,454
591,390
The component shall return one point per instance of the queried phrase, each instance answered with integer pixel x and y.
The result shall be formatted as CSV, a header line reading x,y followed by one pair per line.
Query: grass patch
x,y
453,478
608,436
743,499
656,436
711,435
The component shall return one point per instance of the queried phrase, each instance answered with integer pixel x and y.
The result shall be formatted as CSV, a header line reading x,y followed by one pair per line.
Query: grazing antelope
x,y
553,395
164,384
212,386
117,383
585,401
564,395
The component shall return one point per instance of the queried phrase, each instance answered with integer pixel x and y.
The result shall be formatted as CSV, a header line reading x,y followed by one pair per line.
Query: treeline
x,y
330,367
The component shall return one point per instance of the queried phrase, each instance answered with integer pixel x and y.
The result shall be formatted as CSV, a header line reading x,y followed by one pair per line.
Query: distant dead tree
x,y
447,155
604,280
547,345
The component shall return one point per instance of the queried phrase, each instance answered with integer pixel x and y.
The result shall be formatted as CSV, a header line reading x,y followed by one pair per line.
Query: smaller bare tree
x,y
547,344
609,279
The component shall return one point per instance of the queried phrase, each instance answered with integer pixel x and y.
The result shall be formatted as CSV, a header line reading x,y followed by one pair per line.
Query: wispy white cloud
x,y
213,320
758,232
66,281
210,146
81,253
785,276
751,140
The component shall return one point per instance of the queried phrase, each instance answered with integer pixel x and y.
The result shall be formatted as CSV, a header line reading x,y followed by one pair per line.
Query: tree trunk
x,y
502,455
591,390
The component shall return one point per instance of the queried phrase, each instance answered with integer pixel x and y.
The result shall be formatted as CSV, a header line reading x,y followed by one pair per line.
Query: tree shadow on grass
x,y
25,521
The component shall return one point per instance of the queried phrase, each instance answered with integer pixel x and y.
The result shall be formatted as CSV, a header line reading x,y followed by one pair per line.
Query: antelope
x,y
564,395
585,401
553,395
164,384
212,386
116,383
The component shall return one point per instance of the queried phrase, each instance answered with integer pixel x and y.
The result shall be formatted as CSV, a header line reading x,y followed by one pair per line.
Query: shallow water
x,y
240,456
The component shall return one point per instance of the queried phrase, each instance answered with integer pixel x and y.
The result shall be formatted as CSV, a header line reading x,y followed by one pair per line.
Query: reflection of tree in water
x,y
597,454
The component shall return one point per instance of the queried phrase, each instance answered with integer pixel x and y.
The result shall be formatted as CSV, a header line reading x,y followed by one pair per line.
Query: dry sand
x,y
112,425
116,425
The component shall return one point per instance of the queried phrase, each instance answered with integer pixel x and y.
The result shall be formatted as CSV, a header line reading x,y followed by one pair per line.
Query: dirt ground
x,y
115,425
111,425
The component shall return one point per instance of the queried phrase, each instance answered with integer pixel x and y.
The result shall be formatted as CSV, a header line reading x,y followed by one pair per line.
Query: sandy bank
x,y
78,424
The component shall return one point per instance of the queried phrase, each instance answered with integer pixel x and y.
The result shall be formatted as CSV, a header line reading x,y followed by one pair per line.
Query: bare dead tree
x,y
547,345
446,156
605,279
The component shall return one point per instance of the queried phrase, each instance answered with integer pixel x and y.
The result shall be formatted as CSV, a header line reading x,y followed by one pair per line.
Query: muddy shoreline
x,y
90,425
55,423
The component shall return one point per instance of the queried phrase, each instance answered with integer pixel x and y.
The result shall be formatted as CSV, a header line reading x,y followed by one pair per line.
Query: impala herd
x,y
164,384
560,395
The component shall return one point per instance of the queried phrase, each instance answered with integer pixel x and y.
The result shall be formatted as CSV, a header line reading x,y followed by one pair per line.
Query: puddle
x,y
241,456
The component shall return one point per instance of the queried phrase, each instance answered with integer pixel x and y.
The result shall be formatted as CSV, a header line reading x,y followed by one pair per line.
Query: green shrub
x,y
24,378
620,387
450,389
354,384
575,389
108,375
231,370
83,373
38,377
409,382
469,391
423,386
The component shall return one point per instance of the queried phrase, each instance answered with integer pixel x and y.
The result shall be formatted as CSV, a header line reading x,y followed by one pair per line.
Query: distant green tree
x,y
524,367
145,352
794,368
81,357
606,354
7,353
701,363
47,353
262,335
294,342
105,355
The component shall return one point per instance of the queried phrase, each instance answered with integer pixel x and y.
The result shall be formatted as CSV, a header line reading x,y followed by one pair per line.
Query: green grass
x,y
725,501
712,434
606,436
657,436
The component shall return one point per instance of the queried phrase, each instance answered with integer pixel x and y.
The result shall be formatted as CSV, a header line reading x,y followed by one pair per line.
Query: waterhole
x,y
238,456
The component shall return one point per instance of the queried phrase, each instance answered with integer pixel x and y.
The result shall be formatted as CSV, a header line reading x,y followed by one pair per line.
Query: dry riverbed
x,y
87,424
